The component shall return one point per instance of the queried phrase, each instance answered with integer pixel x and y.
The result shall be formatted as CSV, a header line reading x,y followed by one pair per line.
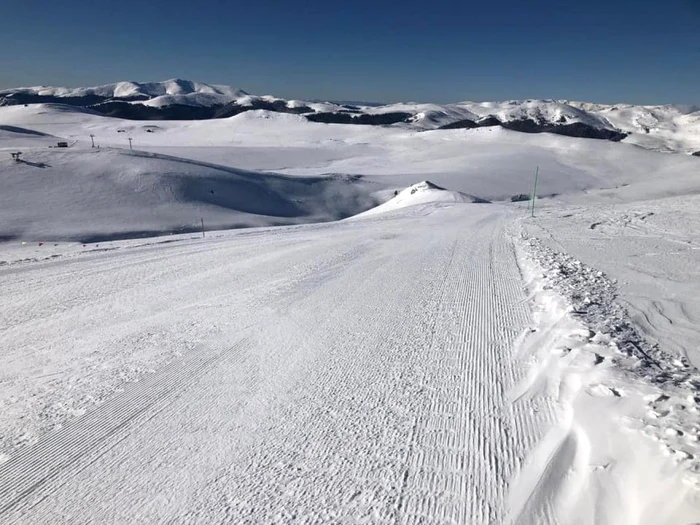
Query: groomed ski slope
x,y
354,372
395,367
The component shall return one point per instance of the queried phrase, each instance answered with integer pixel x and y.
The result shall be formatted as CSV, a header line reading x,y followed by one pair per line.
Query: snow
x,y
490,163
659,241
15,136
663,128
430,359
667,128
613,392
54,195
172,91
188,99
309,367
549,110
423,193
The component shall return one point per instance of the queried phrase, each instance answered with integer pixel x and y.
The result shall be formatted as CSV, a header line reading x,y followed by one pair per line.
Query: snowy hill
x,y
11,136
664,128
423,193
98,194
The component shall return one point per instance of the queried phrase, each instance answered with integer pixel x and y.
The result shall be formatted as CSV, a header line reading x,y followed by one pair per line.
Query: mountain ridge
x,y
663,127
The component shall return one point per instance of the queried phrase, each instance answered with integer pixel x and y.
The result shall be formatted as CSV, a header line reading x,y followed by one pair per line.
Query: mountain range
x,y
664,127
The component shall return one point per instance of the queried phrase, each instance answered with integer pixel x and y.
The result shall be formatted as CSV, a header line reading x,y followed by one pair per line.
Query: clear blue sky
x,y
376,50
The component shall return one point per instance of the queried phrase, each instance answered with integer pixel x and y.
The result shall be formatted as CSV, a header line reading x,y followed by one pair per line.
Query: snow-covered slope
x,y
317,374
108,193
13,136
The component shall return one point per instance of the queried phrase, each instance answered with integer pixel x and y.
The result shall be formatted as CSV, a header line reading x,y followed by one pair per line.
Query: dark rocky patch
x,y
140,112
14,99
382,119
520,197
576,129
524,126
460,124
280,106
579,129
696,154
487,122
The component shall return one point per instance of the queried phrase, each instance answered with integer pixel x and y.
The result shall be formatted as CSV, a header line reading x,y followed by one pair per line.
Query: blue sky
x,y
444,51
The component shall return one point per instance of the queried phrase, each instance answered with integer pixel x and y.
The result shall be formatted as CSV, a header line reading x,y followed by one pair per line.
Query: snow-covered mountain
x,y
155,94
665,128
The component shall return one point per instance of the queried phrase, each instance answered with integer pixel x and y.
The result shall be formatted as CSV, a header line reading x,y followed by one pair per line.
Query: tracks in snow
x,y
372,386
594,466
75,447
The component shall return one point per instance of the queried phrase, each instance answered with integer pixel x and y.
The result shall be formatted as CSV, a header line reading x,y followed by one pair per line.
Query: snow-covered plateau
x,y
270,318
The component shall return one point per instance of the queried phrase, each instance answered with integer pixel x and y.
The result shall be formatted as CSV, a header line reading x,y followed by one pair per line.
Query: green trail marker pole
x,y
534,191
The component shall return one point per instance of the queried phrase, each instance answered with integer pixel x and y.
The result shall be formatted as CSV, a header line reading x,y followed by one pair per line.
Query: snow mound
x,y
422,193
620,397
664,384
